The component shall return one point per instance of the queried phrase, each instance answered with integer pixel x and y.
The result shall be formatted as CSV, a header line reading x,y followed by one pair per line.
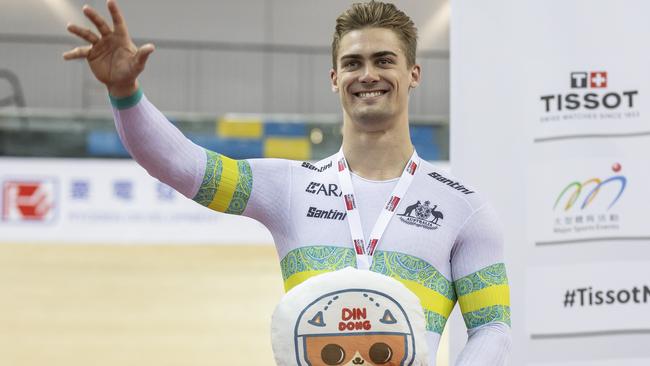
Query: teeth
x,y
370,94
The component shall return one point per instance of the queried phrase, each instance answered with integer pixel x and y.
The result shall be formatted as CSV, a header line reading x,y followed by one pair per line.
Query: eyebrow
x,y
374,55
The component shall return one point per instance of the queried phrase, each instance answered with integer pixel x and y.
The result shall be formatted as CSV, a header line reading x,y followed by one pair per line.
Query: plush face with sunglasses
x,y
355,327
349,317
367,350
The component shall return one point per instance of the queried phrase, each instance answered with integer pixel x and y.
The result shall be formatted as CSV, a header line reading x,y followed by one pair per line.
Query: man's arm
x,y
482,288
212,179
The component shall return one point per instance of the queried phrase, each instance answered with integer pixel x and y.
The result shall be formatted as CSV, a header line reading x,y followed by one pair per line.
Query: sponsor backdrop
x,y
107,202
550,118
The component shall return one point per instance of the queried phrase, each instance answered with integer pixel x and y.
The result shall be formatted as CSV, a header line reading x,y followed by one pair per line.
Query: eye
x,y
332,354
384,61
350,64
380,353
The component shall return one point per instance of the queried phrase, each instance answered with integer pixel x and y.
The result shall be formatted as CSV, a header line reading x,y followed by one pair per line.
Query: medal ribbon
x,y
365,251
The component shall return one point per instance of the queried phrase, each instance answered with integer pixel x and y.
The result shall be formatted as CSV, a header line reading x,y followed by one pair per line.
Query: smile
x,y
370,94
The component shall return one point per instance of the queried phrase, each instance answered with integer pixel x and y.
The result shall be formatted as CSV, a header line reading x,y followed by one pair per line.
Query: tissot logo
x,y
422,215
455,185
592,97
326,214
328,190
311,166
594,79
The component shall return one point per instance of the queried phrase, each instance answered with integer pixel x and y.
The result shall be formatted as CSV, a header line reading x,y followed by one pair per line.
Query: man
x,y
452,253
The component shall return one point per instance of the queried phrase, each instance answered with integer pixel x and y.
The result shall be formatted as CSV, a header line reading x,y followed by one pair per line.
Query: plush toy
x,y
349,317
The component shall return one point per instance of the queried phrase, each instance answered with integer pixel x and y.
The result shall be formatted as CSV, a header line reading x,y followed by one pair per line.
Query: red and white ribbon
x,y
364,250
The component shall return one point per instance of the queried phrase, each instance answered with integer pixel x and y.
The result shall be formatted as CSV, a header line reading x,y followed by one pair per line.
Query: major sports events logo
x,y
422,215
590,96
28,200
589,205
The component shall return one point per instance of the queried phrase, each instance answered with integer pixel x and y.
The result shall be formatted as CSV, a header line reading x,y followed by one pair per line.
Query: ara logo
x,y
324,189
422,215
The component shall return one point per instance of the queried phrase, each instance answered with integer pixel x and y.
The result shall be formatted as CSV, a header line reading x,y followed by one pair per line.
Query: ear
x,y
334,82
415,76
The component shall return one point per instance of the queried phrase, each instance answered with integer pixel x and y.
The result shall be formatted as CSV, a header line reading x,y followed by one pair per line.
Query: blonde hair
x,y
376,14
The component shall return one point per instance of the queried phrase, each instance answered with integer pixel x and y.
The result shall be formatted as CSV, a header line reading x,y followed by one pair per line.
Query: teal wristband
x,y
126,102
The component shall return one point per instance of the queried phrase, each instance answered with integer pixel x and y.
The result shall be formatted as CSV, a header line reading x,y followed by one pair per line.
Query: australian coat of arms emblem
x,y
422,215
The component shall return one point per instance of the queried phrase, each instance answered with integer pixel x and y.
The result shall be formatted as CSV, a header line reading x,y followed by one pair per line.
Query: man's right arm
x,y
214,180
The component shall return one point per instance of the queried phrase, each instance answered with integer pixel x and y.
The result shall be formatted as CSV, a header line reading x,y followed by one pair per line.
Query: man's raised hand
x,y
112,56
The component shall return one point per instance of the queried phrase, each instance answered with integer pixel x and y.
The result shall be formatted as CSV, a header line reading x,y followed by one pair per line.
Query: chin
x,y
373,120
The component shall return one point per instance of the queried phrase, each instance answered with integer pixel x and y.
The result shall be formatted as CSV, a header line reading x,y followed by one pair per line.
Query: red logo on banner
x,y
598,79
392,204
358,245
341,165
349,202
373,244
411,167
27,201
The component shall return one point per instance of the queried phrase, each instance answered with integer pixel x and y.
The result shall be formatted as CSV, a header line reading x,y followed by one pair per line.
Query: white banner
x,y
618,362
591,299
107,202
550,118
588,200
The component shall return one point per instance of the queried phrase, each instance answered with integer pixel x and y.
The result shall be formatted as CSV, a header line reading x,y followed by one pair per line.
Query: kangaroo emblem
x,y
410,209
420,214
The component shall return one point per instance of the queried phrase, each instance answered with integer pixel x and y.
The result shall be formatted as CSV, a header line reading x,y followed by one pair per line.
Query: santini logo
x,y
323,214
311,166
455,185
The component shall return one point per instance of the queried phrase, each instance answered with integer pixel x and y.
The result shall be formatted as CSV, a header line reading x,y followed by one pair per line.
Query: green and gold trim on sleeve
x,y
303,263
484,296
436,293
226,185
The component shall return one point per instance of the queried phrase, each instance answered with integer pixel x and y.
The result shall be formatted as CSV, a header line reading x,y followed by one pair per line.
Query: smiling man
x,y
388,211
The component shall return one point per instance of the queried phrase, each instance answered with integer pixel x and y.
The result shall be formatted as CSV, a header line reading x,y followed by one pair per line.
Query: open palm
x,y
112,56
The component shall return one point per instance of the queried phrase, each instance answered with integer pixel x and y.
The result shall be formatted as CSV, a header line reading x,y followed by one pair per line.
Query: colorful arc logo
x,y
596,185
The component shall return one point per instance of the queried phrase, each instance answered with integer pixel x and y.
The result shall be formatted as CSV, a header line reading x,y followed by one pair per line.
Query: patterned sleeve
x,y
481,284
209,178
257,188
226,185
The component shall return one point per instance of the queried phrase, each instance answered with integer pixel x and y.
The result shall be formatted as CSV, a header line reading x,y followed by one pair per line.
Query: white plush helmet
x,y
346,316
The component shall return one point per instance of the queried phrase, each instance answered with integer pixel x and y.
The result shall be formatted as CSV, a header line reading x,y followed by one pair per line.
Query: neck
x,y
377,155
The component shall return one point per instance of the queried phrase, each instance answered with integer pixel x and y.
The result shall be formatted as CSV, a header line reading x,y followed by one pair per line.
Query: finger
x,y
84,33
116,15
97,20
142,55
77,52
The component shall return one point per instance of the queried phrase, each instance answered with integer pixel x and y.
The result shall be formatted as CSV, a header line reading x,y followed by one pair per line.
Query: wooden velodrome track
x,y
101,305
68,305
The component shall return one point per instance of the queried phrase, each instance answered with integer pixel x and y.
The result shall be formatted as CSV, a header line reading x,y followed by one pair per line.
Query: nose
x,y
358,361
369,75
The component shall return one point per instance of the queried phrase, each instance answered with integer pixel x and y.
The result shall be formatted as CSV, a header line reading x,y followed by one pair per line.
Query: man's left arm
x,y
481,284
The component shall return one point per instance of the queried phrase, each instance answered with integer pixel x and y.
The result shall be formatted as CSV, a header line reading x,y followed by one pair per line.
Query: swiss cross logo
x,y
593,80
28,200
598,79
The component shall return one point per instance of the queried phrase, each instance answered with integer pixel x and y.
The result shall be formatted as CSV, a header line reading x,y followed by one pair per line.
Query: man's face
x,y
373,78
